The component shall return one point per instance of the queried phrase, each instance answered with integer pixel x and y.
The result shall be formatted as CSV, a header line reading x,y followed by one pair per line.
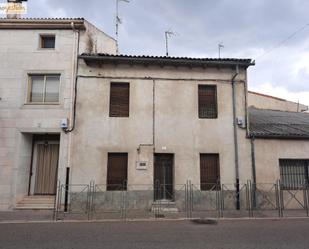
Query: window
x,y
207,101
44,88
119,100
294,173
209,171
47,41
117,171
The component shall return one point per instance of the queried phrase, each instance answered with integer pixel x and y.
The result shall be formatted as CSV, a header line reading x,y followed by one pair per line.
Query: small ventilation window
x,y
48,41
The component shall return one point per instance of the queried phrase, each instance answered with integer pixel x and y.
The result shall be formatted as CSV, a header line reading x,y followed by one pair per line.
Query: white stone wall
x,y
20,55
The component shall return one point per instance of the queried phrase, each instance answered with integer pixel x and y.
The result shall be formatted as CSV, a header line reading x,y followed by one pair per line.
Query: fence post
x,y
305,196
186,199
89,200
279,198
124,201
220,201
190,199
55,216
249,198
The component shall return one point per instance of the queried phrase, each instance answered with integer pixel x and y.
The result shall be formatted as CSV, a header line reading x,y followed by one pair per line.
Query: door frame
x,y
40,139
173,174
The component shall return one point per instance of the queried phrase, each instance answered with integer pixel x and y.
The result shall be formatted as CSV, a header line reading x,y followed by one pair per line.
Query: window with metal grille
x,y
207,101
209,171
43,88
294,173
119,100
117,166
48,41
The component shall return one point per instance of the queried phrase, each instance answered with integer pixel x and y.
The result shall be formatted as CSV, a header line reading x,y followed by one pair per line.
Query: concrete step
x,y
164,206
36,202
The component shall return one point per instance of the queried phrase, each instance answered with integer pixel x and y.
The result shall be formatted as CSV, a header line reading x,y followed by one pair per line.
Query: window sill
x,y
41,106
47,50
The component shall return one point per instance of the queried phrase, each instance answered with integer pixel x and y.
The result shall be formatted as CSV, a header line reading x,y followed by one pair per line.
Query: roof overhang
x,y
92,59
278,136
42,23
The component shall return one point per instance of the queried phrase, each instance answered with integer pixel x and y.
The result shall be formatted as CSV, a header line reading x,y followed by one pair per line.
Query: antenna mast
x,y
168,34
220,46
118,21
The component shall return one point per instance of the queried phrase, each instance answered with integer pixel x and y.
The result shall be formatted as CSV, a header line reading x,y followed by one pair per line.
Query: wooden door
x,y
163,176
46,169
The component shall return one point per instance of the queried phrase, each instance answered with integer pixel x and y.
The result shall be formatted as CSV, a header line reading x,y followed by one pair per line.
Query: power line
x,y
283,41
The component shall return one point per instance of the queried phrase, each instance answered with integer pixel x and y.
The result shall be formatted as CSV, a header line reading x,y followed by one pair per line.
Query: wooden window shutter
x,y
117,167
209,171
119,100
207,101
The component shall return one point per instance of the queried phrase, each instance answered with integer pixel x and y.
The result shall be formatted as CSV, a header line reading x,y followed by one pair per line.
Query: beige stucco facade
x,y
163,100
20,56
269,151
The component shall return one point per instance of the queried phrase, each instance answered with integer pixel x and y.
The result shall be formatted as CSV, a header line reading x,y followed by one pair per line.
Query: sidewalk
x,y
26,215
21,216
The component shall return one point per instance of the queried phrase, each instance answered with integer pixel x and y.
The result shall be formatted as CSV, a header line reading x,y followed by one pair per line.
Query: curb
x,y
145,220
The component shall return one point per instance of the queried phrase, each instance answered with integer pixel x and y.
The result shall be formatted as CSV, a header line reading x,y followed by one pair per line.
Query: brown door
x,y
46,169
163,176
117,171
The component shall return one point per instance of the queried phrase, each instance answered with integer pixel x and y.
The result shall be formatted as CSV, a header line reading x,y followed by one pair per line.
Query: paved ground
x,y
249,234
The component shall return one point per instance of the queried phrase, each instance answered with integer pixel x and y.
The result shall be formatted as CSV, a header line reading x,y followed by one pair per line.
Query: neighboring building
x,y
37,77
264,101
280,143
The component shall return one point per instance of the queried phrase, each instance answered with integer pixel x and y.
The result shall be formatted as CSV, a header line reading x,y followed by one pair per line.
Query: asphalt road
x,y
266,234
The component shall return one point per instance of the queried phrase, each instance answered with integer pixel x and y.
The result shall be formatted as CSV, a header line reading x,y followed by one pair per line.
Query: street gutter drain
x,y
204,221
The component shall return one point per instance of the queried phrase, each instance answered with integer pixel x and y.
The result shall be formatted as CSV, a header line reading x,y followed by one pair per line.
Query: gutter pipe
x,y
235,138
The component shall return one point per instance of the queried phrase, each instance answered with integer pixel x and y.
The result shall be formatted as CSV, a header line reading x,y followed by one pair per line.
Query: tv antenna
x,y
118,21
220,46
168,34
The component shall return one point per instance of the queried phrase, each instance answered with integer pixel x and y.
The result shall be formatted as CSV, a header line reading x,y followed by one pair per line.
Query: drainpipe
x,y
74,79
252,138
75,52
235,138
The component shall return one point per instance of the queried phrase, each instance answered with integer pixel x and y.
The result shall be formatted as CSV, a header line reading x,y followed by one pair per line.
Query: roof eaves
x,y
277,136
41,23
165,60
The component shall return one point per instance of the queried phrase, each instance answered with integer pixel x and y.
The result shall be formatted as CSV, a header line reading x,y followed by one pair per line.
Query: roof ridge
x,y
272,110
165,57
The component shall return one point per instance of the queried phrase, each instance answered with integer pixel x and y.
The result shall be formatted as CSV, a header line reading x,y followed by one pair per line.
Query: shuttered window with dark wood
x,y
210,171
117,171
207,101
119,100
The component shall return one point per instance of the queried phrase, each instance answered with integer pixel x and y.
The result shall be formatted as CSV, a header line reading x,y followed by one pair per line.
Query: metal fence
x,y
96,202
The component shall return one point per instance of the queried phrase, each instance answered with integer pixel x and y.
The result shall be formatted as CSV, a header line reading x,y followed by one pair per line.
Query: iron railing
x,y
94,202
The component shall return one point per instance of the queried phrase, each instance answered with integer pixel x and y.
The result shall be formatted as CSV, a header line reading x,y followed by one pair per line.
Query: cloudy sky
x,y
247,28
